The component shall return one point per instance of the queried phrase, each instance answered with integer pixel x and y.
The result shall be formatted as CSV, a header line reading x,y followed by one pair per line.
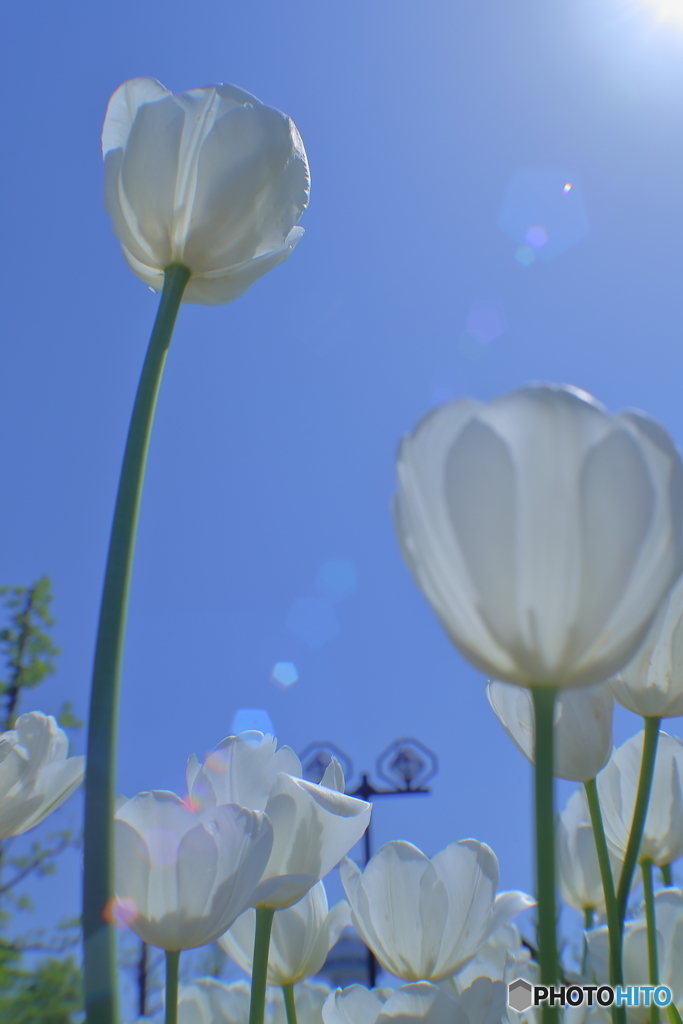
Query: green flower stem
x,y
99,952
544,705
667,874
290,1003
652,958
172,966
647,770
614,925
588,914
259,971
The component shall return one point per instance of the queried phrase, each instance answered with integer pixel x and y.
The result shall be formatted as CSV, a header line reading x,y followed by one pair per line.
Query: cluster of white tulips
x,y
252,834
546,533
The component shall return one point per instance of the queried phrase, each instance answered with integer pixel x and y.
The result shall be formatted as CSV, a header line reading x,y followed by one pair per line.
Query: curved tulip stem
x,y
667,874
172,967
99,950
652,958
290,1003
544,706
614,925
647,770
259,971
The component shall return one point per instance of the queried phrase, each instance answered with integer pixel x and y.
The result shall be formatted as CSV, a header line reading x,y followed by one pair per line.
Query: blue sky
x,y
441,257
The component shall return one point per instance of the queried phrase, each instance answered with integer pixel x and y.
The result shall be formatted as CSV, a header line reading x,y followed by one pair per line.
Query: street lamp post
x,y
405,766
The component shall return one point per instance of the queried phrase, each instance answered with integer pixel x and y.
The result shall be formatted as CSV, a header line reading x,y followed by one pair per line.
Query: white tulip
x,y
483,1003
578,871
208,1001
652,683
669,917
544,531
309,999
36,775
583,726
426,919
240,770
210,178
617,787
183,877
502,957
314,826
301,938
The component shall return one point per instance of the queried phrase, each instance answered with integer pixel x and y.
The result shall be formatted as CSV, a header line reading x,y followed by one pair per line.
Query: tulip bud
x,y
544,531
449,906
583,726
669,917
652,683
579,878
36,776
301,938
184,877
210,178
662,840
248,769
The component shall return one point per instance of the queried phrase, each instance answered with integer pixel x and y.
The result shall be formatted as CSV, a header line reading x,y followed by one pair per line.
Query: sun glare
x,y
666,10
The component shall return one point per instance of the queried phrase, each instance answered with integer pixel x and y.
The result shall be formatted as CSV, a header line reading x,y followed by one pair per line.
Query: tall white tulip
x,y
579,879
652,683
36,775
210,178
426,919
301,938
482,1003
183,877
669,916
314,826
544,531
583,726
662,840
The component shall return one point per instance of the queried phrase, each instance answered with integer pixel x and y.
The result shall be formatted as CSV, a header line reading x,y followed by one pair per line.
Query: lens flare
x,y
216,762
121,912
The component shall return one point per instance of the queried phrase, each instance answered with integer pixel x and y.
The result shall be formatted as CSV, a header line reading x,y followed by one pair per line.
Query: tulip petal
x,y
148,179
244,153
123,106
214,288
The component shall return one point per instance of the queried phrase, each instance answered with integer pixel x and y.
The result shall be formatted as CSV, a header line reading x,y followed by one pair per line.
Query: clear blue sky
x,y
439,134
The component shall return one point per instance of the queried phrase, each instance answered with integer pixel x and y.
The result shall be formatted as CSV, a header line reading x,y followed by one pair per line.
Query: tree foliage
x,y
49,992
